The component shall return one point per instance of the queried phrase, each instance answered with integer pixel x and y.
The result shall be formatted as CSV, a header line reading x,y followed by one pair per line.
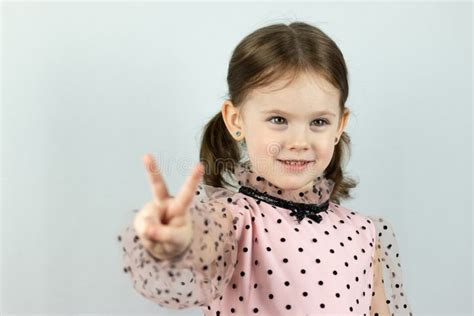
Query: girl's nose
x,y
298,140
299,146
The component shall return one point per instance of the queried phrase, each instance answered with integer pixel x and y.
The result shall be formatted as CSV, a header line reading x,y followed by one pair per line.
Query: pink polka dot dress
x,y
262,250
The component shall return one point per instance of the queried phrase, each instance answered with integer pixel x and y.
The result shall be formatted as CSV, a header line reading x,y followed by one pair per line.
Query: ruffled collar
x,y
319,194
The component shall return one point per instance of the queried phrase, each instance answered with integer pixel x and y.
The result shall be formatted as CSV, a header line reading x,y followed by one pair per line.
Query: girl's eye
x,y
281,120
276,117
321,120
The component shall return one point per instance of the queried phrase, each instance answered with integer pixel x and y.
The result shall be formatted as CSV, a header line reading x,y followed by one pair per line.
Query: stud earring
x,y
237,133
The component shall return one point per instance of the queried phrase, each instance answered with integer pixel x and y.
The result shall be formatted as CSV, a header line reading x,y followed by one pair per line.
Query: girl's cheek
x,y
265,142
272,147
326,152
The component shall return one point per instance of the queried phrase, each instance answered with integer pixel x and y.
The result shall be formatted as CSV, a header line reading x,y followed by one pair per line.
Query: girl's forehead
x,y
304,93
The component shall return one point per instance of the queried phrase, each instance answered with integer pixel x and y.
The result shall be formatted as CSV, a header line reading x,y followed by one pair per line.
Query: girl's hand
x,y
164,224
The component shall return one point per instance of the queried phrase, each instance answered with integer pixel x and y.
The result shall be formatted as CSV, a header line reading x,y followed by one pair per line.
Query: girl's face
x,y
298,122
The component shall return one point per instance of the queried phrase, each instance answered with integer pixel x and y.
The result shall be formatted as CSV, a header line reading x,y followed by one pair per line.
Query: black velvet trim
x,y
300,210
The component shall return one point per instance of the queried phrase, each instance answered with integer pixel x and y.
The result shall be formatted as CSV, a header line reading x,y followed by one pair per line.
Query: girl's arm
x,y
390,297
200,274
379,306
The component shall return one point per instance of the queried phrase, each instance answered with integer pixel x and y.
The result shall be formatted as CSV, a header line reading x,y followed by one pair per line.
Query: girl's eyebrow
x,y
277,111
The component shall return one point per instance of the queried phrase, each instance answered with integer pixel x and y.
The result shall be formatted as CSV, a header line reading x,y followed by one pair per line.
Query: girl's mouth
x,y
295,165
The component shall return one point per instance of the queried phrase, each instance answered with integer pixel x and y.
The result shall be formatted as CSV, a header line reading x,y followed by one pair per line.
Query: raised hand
x,y
164,224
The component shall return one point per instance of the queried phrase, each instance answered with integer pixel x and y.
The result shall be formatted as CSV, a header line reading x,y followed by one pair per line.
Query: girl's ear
x,y
232,119
343,122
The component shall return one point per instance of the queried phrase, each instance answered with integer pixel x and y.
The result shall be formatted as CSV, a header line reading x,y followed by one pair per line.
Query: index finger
x,y
158,186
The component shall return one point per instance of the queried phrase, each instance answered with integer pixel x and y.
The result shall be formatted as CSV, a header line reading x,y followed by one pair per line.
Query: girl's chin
x,y
296,186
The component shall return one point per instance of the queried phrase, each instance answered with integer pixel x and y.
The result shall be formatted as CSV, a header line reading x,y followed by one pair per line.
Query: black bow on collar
x,y
300,210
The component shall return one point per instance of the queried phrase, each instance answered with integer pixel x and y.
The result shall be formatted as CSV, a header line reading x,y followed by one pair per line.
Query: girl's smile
x,y
295,165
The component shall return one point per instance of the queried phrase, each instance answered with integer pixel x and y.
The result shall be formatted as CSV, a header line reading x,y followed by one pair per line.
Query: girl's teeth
x,y
294,163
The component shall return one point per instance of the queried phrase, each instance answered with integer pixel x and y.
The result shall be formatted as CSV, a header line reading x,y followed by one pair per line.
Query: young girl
x,y
263,231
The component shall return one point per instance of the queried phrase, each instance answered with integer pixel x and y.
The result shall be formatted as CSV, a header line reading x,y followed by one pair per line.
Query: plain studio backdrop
x,y
89,88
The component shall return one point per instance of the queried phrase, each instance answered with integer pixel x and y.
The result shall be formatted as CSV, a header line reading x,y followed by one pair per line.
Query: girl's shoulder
x,y
376,224
351,215
381,227
207,193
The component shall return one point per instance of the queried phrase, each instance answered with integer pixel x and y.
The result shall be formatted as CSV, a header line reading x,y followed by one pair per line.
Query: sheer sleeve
x,y
200,274
388,257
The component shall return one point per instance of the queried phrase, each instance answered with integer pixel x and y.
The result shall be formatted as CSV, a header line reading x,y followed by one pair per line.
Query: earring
x,y
237,133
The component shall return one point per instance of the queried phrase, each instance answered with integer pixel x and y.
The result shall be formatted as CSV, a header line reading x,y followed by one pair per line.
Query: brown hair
x,y
263,56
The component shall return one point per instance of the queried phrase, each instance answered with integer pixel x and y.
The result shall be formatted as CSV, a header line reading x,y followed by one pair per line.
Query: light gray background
x,y
89,88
